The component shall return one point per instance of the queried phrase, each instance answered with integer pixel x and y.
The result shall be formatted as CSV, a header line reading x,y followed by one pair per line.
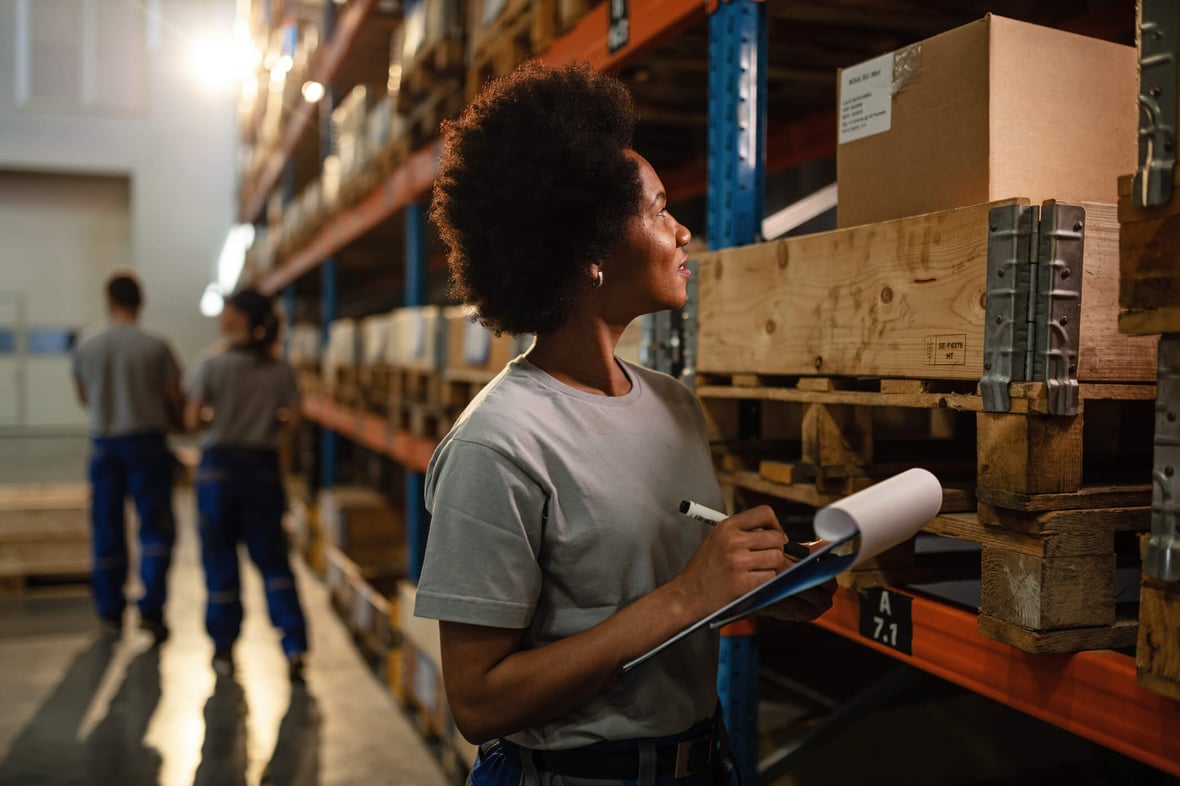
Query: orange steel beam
x,y
1091,694
651,21
372,431
406,184
327,62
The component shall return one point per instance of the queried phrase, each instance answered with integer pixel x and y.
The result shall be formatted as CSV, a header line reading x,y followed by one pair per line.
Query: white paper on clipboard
x,y
857,528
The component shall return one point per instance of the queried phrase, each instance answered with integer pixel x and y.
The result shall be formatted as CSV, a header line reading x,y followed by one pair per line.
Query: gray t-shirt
x,y
125,372
552,510
245,393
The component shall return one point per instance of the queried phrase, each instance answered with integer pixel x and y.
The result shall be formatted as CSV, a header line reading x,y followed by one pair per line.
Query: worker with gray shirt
x,y
130,383
244,395
556,551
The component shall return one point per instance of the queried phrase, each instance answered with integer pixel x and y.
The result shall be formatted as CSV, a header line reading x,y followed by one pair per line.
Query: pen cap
x,y
885,514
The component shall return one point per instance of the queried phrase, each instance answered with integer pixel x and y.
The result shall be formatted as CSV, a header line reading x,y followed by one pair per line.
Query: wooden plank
x,y
1157,656
1043,594
926,569
1160,320
881,299
910,387
780,472
837,436
1029,453
1086,497
955,401
1118,635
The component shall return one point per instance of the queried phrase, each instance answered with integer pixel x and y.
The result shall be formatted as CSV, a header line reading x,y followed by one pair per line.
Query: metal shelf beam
x,y
1091,694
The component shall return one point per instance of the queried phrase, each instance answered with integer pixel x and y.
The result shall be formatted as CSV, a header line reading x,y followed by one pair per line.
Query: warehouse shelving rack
x,y
1092,694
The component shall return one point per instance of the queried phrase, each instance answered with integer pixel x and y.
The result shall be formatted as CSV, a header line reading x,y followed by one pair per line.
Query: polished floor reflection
x,y
80,707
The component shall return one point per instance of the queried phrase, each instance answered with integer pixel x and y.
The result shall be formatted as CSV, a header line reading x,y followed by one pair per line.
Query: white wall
x,y
75,98
63,236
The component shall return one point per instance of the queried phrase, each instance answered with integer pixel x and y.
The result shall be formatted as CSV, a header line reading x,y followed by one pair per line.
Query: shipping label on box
x,y
866,99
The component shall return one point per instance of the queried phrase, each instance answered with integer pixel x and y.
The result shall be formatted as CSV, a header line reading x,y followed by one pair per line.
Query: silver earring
x,y
596,282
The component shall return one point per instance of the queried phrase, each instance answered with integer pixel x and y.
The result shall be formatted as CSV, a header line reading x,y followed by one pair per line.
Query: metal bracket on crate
x,y
1058,305
1159,28
1011,254
1163,549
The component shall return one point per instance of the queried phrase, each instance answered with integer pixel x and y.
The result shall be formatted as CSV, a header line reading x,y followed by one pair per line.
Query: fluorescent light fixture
x,y
211,301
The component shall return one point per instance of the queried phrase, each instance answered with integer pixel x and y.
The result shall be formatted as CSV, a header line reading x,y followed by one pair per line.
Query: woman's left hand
x,y
805,606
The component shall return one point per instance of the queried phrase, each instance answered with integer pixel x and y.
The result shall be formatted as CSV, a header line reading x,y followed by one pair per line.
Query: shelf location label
x,y
866,99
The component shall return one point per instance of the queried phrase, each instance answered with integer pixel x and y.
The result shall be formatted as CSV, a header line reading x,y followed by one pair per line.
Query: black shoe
x,y
223,663
111,626
156,627
295,666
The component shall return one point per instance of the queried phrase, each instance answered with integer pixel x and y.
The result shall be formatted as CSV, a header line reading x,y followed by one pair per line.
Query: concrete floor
x,y
83,708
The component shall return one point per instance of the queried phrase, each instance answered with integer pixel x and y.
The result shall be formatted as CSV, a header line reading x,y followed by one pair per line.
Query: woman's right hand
x,y
741,553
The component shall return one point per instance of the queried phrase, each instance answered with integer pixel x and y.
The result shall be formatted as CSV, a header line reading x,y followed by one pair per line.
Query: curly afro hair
x,y
533,187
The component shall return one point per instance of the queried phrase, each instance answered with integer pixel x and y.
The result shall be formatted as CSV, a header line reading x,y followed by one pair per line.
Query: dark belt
x,y
680,760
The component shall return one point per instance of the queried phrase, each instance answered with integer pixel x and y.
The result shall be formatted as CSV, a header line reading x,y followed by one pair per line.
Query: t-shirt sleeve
x,y
198,386
481,563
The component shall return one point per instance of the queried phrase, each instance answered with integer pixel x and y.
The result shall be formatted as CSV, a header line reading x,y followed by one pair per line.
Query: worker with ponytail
x,y
244,395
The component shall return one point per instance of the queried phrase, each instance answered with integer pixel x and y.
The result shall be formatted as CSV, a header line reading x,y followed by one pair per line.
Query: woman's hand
x,y
741,553
808,605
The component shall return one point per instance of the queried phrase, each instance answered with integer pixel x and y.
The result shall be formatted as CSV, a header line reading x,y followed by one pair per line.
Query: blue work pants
x,y
240,498
140,466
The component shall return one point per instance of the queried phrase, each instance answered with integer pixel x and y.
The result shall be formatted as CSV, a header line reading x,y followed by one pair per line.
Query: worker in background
x,y
245,395
556,551
129,381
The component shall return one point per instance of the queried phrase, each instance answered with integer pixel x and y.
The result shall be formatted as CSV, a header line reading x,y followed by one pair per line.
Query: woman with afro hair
x,y
556,550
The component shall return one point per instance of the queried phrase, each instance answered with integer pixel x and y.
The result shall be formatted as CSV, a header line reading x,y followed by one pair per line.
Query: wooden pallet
x,y
1157,654
424,114
825,437
501,46
1021,485
44,534
1149,276
422,688
441,60
878,300
459,388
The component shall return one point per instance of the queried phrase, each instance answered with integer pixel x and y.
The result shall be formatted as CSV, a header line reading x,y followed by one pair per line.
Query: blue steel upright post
x,y
417,518
737,180
328,268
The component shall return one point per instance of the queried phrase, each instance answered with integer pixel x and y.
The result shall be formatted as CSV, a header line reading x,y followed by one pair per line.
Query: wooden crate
x,y
876,301
1023,485
824,438
362,593
1157,658
44,532
1149,264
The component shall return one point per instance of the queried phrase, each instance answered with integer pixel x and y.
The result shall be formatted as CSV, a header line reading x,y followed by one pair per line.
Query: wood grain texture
x,y
880,299
1029,453
1117,636
1157,656
1086,497
1047,594
837,436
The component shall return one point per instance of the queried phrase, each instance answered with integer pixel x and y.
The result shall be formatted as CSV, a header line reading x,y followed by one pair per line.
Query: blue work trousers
x,y
495,767
240,498
140,466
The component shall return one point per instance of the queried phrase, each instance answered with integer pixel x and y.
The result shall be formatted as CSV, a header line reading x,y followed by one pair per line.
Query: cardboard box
x,y
417,339
472,348
359,522
991,110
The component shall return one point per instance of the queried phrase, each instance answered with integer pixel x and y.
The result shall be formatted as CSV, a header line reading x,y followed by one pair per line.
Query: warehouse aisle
x,y
82,708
